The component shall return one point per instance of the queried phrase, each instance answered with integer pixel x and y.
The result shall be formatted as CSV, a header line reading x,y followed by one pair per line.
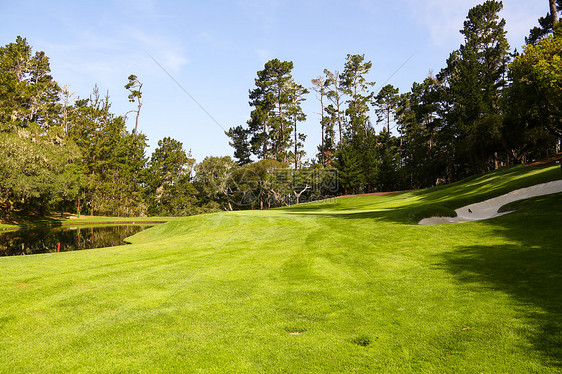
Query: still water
x,y
45,240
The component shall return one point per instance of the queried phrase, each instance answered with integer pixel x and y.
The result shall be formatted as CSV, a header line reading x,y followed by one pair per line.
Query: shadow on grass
x,y
412,206
31,221
405,215
529,270
486,186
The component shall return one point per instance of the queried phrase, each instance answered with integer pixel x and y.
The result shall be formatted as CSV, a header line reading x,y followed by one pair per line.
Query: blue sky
x,y
211,51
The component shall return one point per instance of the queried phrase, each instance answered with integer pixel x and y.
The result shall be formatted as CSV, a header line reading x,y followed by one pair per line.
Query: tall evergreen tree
x,y
386,106
423,150
296,114
169,187
336,95
270,125
475,75
277,109
354,83
547,24
239,141
29,95
319,85
114,159
135,94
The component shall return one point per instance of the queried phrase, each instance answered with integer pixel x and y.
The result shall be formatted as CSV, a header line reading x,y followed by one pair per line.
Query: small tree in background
x,y
135,86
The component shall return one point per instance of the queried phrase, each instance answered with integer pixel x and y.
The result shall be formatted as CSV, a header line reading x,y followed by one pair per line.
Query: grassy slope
x,y
303,289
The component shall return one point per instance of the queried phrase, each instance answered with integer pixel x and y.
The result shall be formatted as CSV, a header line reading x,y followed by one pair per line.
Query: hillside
x,y
344,285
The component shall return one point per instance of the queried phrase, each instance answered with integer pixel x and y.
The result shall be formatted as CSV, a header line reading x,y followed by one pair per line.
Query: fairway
x,y
344,285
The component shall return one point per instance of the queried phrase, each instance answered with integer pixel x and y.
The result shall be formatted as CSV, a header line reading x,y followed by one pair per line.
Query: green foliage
x,y
357,160
135,88
239,141
113,159
335,93
327,147
546,26
39,167
354,84
475,80
534,98
213,181
169,188
425,144
255,185
28,94
270,124
36,174
296,115
467,120
387,105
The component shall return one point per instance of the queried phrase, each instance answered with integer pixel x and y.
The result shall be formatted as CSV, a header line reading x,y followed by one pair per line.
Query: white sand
x,y
489,208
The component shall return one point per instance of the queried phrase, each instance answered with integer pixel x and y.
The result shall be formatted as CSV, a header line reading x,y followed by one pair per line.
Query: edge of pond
x,y
99,223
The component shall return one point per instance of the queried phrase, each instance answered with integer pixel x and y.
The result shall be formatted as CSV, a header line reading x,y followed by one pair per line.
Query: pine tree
x,y
296,114
135,88
277,110
547,24
169,187
270,125
239,141
336,95
355,85
475,75
387,102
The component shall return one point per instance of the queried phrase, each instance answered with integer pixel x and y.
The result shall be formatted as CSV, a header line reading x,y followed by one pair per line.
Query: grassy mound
x,y
350,284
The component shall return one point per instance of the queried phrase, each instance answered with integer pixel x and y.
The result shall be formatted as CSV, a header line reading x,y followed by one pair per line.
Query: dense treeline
x,y
57,153
486,108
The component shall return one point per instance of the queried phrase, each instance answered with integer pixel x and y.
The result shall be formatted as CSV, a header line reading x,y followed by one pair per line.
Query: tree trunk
x,y
298,195
322,158
78,206
553,12
264,141
137,121
296,146
282,125
388,128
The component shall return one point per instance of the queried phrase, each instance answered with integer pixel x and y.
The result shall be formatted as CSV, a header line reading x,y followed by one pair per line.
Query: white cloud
x,y
521,17
264,55
138,6
444,19
261,10
166,51
173,59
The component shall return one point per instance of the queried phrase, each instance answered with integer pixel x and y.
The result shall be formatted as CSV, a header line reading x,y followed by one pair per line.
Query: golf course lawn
x,y
344,285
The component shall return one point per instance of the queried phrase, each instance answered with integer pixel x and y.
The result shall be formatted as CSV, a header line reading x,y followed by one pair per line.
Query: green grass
x,y
347,285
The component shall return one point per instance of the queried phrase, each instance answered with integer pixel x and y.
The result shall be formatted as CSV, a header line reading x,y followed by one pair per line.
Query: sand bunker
x,y
489,208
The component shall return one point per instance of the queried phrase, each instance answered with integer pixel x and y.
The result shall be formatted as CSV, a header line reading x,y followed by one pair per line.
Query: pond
x,y
64,239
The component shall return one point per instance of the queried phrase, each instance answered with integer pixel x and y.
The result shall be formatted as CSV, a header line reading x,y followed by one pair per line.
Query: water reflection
x,y
45,240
